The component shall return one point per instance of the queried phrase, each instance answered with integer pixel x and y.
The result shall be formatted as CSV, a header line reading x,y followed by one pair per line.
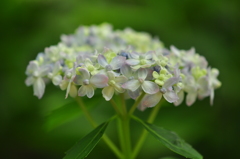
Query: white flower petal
x,y
134,94
102,61
150,100
148,55
175,50
99,80
191,98
84,73
57,80
134,55
131,85
180,98
39,87
117,62
90,91
56,68
211,96
142,73
170,96
204,89
118,88
73,91
43,71
82,91
132,62
170,82
29,81
150,87
126,71
111,75
120,79
32,67
108,92
63,85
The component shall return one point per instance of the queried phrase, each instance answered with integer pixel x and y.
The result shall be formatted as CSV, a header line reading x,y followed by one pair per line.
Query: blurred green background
x,y
28,26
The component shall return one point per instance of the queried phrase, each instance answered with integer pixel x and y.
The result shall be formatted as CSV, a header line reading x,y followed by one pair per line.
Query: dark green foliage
x,y
86,144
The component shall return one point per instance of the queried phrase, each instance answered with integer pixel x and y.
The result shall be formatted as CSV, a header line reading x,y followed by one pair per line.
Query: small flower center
x,y
140,80
108,68
143,62
69,74
86,82
163,90
90,68
112,83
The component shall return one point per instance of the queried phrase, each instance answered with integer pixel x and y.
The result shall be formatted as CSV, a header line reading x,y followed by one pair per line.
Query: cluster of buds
x,y
126,62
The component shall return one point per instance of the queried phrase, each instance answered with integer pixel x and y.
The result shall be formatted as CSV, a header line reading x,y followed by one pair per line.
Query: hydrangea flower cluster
x,y
122,62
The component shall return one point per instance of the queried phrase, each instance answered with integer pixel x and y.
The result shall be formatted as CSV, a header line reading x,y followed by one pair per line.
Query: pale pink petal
x,y
132,62
150,100
108,92
102,60
131,85
99,80
150,87
117,62
170,96
142,73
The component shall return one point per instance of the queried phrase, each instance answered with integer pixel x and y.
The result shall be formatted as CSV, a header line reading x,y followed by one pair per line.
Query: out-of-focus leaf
x,y
168,158
81,149
69,112
171,140
64,114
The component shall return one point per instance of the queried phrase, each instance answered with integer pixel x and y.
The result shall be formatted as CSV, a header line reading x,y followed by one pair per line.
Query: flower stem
x,y
106,139
136,104
126,136
144,133
124,129
115,107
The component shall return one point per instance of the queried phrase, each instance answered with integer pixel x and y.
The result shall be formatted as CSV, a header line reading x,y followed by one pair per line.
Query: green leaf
x,y
87,143
168,158
68,112
171,140
64,114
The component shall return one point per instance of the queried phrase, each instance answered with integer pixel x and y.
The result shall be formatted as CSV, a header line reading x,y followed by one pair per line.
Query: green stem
x,y
123,103
124,128
144,133
106,139
124,124
136,104
116,108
